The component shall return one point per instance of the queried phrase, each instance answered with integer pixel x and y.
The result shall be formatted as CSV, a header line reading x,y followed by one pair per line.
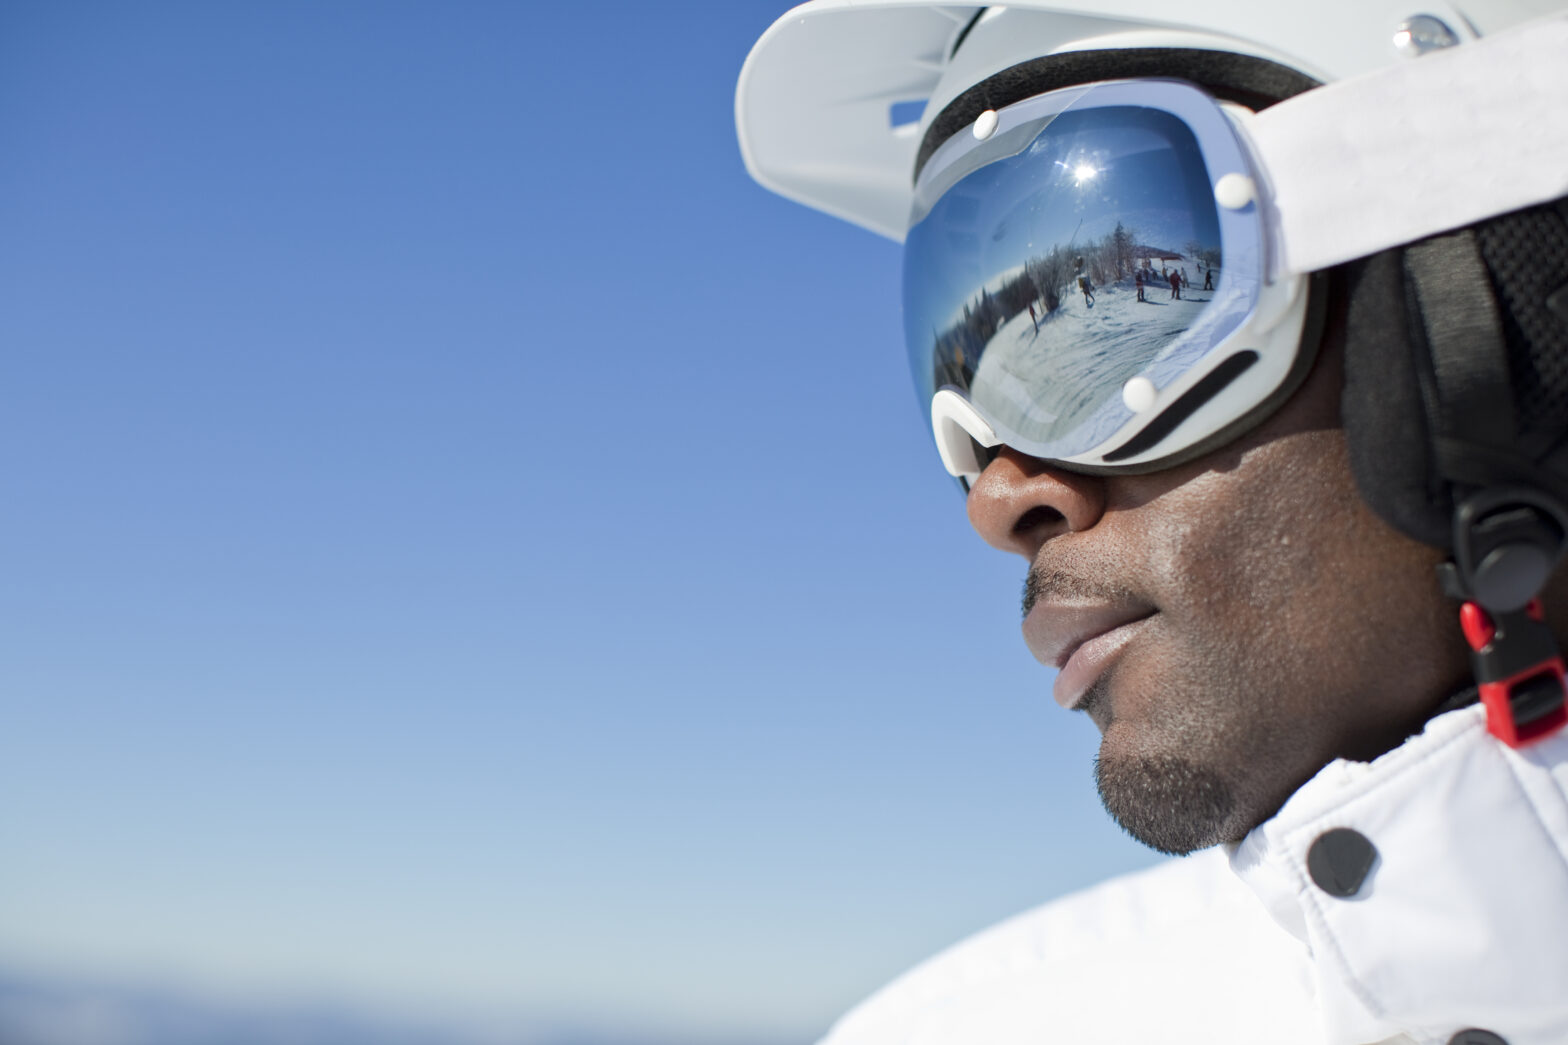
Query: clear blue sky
x,y
469,550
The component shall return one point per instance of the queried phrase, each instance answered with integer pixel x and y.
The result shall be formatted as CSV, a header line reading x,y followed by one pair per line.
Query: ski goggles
x,y
1114,277
1086,281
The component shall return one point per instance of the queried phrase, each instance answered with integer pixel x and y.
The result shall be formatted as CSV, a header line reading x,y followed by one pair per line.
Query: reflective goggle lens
x,y
1075,250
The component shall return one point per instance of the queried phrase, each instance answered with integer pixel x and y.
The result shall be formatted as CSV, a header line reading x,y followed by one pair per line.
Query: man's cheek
x,y
1151,685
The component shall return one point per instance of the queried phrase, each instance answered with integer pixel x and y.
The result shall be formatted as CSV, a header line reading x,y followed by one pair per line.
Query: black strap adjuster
x,y
1507,541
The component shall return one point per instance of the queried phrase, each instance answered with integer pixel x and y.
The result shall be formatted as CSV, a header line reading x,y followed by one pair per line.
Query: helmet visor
x,y
1077,247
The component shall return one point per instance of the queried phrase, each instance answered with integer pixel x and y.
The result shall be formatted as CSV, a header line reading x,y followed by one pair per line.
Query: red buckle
x,y
1524,702
1499,698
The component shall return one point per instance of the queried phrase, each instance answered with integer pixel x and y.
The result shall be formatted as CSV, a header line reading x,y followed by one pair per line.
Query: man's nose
x,y
1020,502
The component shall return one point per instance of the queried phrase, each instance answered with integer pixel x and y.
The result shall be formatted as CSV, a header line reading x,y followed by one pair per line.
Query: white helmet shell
x,y
819,98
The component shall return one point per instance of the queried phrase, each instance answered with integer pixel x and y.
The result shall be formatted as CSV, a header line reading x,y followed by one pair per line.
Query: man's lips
x,y
1080,640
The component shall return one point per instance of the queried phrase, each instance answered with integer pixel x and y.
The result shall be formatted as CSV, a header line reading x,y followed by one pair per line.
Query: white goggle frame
x,y
1342,172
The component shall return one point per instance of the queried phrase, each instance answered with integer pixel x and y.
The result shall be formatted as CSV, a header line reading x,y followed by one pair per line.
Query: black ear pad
x,y
1419,439
1384,414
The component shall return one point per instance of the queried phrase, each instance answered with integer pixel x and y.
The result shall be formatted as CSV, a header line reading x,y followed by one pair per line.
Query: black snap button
x,y
1475,1036
1339,860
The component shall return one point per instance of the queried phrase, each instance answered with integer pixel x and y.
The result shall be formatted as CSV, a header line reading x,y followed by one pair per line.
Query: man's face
x,y
1273,622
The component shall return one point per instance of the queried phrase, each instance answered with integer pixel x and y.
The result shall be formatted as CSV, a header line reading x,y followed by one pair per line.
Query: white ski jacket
x,y
1437,913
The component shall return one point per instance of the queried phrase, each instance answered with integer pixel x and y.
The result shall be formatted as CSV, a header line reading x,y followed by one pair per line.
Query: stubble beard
x,y
1170,803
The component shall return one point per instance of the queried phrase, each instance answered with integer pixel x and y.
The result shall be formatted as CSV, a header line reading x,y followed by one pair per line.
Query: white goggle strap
x,y
1434,144
958,427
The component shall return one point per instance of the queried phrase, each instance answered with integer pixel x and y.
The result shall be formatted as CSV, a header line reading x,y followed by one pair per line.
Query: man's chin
x,y
1168,803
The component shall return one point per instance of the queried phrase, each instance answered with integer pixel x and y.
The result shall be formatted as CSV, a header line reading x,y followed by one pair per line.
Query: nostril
x,y
1036,518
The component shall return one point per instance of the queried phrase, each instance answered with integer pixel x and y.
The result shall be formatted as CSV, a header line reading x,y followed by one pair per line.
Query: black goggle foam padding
x,y
1254,82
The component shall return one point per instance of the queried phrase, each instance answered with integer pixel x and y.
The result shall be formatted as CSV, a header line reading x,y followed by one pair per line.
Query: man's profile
x,y
1295,544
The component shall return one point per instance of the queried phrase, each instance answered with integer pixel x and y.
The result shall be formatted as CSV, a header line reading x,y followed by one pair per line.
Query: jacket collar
x,y
1441,902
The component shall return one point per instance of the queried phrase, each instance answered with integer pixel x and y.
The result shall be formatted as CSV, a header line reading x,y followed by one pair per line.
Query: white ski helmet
x,y
836,97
